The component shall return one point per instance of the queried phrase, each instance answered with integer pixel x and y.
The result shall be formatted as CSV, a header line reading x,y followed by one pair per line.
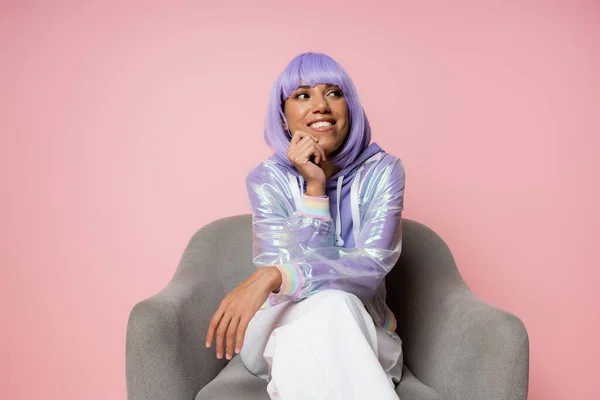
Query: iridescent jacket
x,y
348,240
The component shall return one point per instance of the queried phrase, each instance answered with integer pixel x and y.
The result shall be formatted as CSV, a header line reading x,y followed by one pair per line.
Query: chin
x,y
328,148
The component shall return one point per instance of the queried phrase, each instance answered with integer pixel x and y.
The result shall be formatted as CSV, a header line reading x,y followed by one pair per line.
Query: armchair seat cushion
x,y
235,382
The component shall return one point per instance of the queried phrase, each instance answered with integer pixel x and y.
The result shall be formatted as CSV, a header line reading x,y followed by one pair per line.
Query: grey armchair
x,y
456,347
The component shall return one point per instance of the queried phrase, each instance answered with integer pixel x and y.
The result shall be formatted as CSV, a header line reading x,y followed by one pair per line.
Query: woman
x,y
312,320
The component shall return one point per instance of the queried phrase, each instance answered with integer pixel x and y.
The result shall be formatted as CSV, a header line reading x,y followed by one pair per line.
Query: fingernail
x,y
207,345
237,351
228,356
219,356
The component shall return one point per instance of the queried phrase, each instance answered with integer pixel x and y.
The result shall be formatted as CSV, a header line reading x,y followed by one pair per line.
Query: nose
x,y
319,105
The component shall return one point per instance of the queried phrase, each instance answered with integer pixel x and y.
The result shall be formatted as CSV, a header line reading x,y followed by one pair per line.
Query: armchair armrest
x,y
165,353
453,341
475,351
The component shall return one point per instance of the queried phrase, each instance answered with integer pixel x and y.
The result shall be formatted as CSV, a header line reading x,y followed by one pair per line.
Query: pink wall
x,y
119,125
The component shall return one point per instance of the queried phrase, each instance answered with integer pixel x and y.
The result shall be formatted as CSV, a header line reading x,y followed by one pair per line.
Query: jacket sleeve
x,y
301,243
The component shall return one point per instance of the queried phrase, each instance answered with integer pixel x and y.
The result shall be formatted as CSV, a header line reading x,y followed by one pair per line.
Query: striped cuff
x,y
316,206
390,321
291,280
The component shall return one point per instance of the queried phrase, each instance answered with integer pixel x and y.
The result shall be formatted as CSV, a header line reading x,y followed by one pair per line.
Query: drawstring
x,y
354,203
338,224
296,193
301,188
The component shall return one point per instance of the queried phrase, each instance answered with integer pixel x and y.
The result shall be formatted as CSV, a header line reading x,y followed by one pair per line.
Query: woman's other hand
x,y
302,147
231,319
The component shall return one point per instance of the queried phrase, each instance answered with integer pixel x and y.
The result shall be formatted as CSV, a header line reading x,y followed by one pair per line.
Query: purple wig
x,y
313,69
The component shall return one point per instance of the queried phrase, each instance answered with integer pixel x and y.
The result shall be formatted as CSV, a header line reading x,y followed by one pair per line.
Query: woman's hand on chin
x,y
306,154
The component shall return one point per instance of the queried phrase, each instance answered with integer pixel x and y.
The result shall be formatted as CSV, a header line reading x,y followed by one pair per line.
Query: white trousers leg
x,y
323,347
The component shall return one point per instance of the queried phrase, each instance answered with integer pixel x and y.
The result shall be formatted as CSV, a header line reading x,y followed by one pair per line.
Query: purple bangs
x,y
313,69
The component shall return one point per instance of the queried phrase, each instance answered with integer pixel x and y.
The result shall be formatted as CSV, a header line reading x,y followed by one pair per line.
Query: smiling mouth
x,y
321,124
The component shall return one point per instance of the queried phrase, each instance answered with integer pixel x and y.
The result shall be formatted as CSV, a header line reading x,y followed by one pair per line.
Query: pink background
x,y
127,127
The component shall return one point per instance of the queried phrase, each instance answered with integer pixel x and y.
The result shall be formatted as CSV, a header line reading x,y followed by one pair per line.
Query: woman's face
x,y
320,110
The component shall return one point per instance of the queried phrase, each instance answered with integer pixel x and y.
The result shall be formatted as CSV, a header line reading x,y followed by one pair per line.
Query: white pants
x,y
323,347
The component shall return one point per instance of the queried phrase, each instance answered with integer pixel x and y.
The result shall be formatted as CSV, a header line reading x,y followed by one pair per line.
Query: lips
x,y
322,123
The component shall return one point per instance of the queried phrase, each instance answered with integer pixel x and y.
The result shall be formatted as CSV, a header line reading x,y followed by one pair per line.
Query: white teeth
x,y
320,124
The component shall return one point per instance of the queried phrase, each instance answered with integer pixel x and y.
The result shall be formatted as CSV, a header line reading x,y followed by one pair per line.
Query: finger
x,y
301,135
231,331
321,151
241,334
304,134
303,144
305,156
295,138
298,154
221,331
319,155
212,326
293,149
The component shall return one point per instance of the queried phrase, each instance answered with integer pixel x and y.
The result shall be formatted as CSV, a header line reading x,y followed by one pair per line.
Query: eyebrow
x,y
308,87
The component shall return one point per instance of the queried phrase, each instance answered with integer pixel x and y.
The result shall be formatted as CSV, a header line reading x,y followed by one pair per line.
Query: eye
x,y
299,95
335,93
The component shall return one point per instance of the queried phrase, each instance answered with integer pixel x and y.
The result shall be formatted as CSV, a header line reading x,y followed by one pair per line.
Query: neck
x,y
329,169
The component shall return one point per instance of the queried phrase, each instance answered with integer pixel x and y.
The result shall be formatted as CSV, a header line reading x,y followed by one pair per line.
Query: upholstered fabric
x,y
235,382
457,346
